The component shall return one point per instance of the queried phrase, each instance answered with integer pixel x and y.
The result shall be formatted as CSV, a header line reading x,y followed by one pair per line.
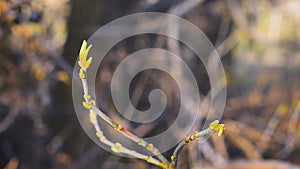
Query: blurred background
x,y
259,45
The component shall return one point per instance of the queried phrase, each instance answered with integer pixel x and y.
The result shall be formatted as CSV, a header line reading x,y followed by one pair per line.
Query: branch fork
x,y
90,104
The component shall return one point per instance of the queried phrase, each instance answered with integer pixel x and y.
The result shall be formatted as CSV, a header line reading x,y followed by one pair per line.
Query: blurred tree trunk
x,y
88,16
85,18
84,15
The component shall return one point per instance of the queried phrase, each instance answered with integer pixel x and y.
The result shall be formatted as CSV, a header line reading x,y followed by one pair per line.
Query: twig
x,y
271,126
292,130
89,104
214,157
9,119
85,159
235,135
183,7
214,126
116,147
58,140
58,59
12,164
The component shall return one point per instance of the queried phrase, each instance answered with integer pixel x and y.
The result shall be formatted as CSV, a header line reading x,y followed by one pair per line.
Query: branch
x,y
214,126
89,104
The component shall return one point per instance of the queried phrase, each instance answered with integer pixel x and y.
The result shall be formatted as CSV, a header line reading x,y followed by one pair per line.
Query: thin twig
x,y
214,126
89,104
12,164
271,126
9,119
292,132
185,6
116,147
210,154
